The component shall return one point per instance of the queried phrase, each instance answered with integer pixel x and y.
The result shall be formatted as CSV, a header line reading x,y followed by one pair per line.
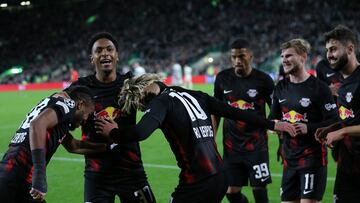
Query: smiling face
x,y
241,61
291,60
336,54
104,56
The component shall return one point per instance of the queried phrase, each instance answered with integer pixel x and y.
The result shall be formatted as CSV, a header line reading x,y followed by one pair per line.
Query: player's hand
x,y
334,87
104,126
301,128
37,195
333,137
321,133
285,127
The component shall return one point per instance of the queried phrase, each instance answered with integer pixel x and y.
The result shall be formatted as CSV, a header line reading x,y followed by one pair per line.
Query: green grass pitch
x,y
65,170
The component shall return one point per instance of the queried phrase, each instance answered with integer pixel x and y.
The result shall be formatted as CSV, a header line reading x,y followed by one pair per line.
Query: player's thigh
x,y
313,183
237,173
210,190
258,166
290,185
97,190
12,189
347,187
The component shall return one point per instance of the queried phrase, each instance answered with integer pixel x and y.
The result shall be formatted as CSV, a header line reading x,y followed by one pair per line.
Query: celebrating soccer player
x,y
307,103
184,116
23,168
341,46
246,153
119,171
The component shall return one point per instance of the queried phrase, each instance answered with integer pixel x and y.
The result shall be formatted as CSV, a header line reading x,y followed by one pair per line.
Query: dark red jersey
x,y
347,151
19,152
309,102
124,160
184,116
325,73
250,94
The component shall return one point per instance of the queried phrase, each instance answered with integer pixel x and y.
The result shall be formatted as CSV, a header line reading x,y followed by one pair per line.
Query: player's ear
x,y
80,104
304,56
350,48
117,56
91,59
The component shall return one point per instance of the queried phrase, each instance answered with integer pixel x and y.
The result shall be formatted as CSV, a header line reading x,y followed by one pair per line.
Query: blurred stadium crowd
x,y
50,37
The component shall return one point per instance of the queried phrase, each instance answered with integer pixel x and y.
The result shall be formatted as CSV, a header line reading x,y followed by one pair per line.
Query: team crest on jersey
x,y
70,103
330,106
110,113
348,97
305,102
252,92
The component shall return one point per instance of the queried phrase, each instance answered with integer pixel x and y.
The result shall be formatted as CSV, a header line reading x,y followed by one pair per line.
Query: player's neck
x,y
299,76
106,77
244,74
350,67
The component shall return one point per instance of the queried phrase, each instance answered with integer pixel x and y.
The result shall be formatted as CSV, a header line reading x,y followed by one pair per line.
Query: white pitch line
x,y
158,166
152,165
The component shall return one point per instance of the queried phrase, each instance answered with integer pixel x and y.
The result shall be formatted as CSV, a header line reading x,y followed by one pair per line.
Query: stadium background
x,y
40,41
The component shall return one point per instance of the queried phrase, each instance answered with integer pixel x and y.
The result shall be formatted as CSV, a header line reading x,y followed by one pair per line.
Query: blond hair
x,y
132,92
301,46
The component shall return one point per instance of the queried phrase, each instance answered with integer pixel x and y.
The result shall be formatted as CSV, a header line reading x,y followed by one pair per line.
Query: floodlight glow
x,y
25,3
16,70
210,60
3,5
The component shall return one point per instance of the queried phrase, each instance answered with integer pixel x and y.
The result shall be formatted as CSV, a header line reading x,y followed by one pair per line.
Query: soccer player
x,y
22,169
184,116
188,77
331,77
246,153
341,46
307,103
177,74
119,171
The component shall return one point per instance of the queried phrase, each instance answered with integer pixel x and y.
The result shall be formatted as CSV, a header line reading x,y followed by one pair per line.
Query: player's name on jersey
x,y
203,131
19,138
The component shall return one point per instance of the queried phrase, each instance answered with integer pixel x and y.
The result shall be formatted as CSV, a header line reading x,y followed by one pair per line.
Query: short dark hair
x,y
240,43
101,35
300,45
80,92
342,34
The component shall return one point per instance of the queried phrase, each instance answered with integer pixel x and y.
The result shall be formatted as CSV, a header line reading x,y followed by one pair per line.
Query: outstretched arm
x,y
224,110
334,136
138,132
73,145
151,120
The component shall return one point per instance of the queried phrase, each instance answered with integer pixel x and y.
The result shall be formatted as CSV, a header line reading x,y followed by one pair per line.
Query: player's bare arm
x,y
215,122
337,135
38,130
76,146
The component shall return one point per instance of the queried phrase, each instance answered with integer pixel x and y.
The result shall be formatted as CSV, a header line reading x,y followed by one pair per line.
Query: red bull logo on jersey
x,y
243,105
294,117
345,113
108,113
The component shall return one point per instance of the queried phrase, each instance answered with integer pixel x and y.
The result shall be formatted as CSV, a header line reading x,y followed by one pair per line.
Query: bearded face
x,y
336,54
